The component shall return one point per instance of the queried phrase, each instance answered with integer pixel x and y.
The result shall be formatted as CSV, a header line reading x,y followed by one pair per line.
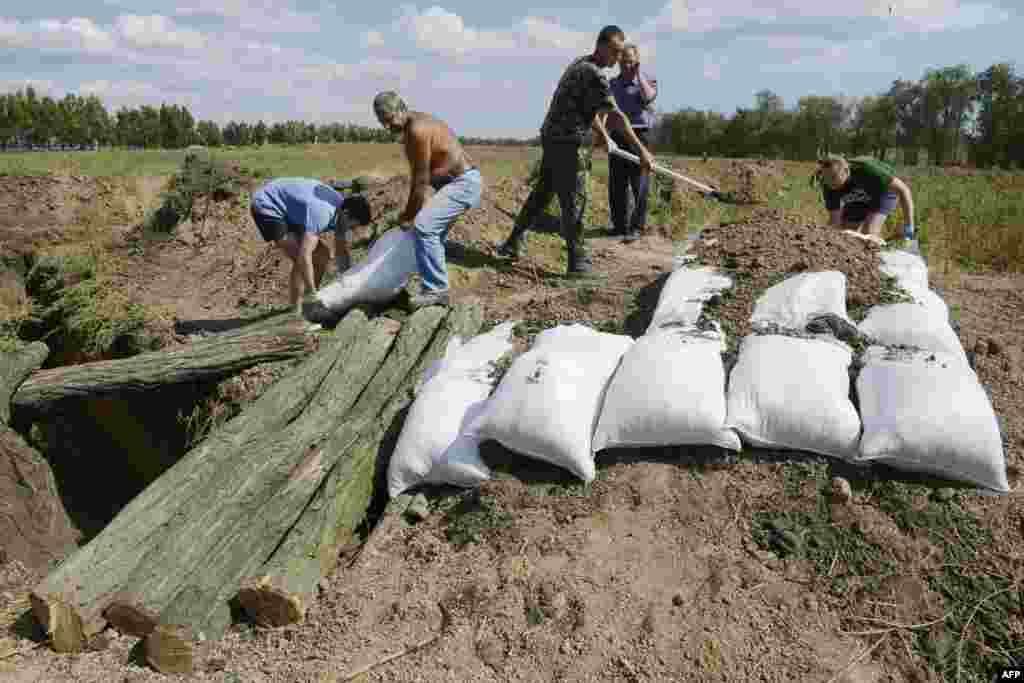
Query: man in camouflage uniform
x,y
582,100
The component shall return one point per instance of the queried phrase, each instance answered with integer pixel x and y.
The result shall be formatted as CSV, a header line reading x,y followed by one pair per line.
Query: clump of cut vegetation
x,y
199,177
68,307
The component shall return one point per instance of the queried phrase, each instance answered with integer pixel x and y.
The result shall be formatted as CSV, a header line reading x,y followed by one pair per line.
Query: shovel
x,y
706,190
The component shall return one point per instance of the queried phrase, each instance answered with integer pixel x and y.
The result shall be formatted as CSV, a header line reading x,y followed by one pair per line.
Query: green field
x,y
972,218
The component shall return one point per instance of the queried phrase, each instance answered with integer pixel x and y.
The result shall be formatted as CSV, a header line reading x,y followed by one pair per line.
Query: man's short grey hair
x,y
630,46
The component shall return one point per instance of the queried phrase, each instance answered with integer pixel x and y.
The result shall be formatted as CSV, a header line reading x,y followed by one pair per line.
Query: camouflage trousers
x,y
565,172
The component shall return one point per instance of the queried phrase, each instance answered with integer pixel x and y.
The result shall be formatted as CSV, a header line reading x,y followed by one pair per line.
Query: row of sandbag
x,y
922,408
578,391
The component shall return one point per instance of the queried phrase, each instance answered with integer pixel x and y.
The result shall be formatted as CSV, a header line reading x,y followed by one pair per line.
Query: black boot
x,y
580,264
514,246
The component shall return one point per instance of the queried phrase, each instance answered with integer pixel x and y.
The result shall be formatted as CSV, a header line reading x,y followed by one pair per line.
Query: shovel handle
x,y
618,151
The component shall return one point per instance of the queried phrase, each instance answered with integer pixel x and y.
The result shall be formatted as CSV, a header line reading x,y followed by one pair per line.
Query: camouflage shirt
x,y
582,92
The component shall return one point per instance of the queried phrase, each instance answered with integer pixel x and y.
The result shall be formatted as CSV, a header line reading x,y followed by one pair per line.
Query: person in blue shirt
x,y
634,92
295,214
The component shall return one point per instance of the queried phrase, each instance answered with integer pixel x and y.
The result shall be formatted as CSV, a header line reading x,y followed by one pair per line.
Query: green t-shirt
x,y
869,181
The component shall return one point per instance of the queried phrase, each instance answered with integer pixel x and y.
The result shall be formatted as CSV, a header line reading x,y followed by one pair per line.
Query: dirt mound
x,y
760,251
38,211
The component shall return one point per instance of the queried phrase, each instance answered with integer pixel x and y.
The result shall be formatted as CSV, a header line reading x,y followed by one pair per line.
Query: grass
x,y
334,160
975,634
472,516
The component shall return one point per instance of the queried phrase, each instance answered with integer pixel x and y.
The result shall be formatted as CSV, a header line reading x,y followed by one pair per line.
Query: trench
x,y
104,451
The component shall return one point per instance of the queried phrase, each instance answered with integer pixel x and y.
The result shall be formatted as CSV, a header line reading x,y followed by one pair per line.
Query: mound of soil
x,y
769,245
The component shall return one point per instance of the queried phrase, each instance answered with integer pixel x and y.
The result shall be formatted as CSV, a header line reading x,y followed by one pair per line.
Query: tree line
x,y
30,120
949,116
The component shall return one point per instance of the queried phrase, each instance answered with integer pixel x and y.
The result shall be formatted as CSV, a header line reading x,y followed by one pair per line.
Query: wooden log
x,y
351,448
34,526
280,338
15,367
201,537
286,585
70,601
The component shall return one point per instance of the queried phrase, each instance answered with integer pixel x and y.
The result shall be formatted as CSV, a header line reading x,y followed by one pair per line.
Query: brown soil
x,y
769,246
652,573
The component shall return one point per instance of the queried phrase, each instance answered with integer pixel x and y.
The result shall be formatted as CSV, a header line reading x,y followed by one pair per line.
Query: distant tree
x,y
209,133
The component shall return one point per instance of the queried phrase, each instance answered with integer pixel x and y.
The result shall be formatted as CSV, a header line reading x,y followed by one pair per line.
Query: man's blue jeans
x,y
453,198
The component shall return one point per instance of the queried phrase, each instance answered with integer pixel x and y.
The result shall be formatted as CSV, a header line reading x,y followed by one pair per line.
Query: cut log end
x,y
170,649
128,617
62,624
270,605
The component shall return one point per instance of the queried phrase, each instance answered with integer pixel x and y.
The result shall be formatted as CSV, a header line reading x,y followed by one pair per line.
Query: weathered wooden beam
x,y
205,534
15,367
283,590
70,601
351,451
279,338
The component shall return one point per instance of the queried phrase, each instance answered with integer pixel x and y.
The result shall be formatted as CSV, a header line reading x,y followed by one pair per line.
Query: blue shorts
x,y
857,213
273,228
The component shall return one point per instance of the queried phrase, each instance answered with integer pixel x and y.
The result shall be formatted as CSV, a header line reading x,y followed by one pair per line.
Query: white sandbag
x,y
927,298
927,412
911,324
684,294
578,337
669,390
909,269
548,402
793,393
794,301
379,278
433,447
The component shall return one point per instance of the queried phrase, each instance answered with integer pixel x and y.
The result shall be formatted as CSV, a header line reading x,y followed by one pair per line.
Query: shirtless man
x,y
437,160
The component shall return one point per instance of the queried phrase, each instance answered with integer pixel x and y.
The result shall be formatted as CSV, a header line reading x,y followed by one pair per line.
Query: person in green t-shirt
x,y
861,192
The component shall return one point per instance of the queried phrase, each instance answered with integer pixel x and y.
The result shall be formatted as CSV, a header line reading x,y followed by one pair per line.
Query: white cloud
x,y
702,16
77,34
438,30
255,16
157,31
372,39
541,33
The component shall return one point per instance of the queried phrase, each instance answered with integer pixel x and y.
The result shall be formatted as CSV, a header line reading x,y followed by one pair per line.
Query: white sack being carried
x,y
684,294
927,412
379,278
432,447
794,301
549,400
910,324
669,390
793,393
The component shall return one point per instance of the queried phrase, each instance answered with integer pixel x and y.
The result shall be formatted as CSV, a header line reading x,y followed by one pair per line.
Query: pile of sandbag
x,y
578,391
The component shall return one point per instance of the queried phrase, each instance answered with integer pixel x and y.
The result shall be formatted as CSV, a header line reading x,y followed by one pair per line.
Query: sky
x,y
487,68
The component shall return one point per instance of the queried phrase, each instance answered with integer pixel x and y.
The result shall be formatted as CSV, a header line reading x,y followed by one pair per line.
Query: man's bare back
x,y
446,155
